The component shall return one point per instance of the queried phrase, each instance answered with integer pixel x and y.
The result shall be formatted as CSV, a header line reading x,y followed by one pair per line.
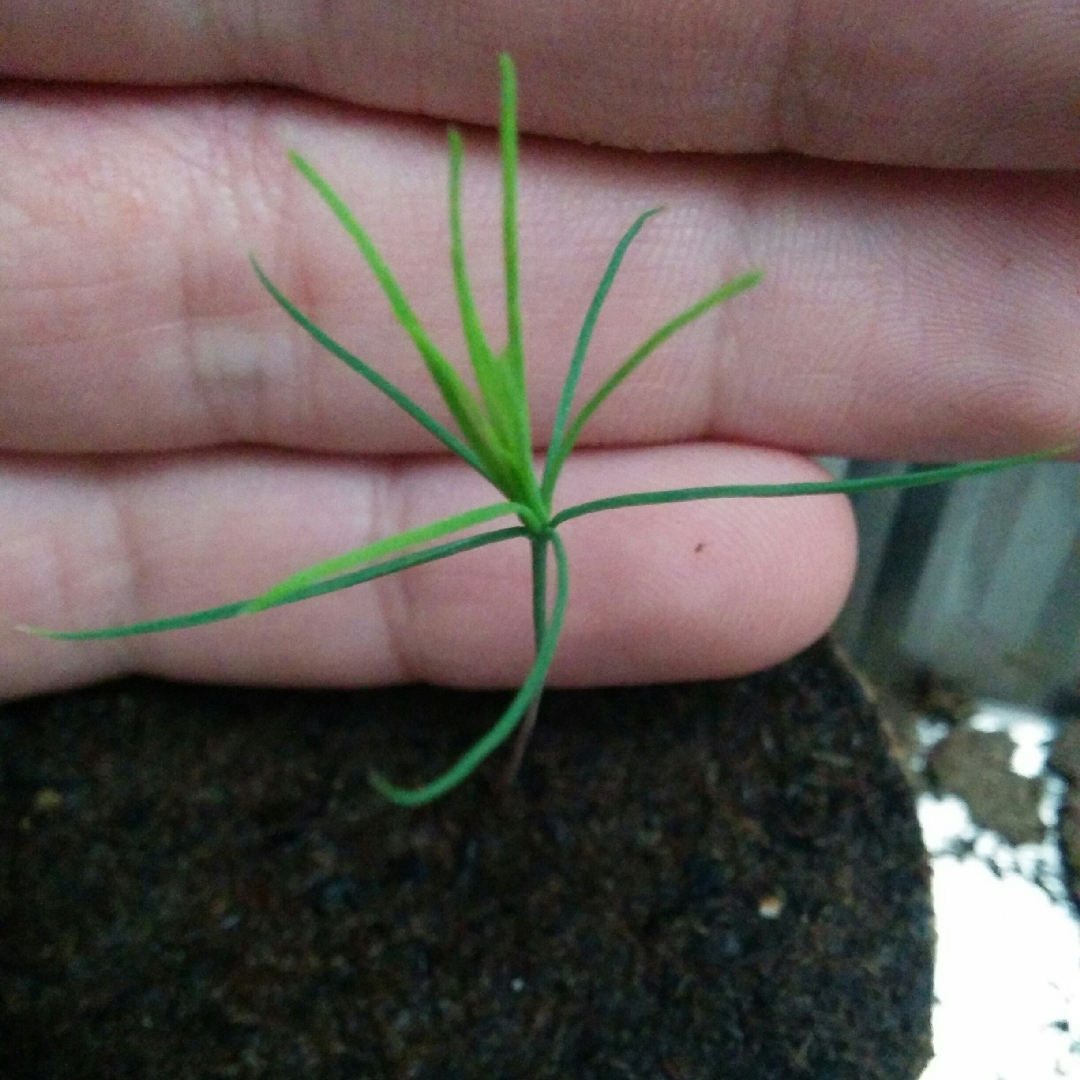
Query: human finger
x,y
904,313
932,82
657,593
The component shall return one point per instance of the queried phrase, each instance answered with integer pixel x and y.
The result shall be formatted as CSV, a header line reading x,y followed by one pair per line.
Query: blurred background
x,y
965,614
976,583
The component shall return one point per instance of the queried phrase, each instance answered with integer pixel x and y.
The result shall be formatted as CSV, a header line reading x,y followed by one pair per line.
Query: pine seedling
x,y
494,437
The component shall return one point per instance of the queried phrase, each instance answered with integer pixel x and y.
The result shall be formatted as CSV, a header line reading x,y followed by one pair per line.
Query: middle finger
x,y
904,313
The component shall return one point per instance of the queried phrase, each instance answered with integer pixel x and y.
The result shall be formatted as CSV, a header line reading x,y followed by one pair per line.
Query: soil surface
x,y
1065,761
976,766
697,881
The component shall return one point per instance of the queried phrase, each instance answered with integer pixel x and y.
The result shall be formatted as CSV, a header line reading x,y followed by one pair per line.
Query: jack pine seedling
x,y
494,436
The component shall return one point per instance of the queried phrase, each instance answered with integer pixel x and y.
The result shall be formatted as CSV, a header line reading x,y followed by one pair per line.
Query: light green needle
x,y
495,439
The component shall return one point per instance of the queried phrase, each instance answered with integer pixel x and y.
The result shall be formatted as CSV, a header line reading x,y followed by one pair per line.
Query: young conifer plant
x,y
494,436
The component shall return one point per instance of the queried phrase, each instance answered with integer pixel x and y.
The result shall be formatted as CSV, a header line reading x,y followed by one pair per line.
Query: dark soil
x,y
1065,761
976,766
714,880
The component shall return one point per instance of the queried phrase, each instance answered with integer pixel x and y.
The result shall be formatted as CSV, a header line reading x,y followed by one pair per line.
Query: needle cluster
x,y
494,436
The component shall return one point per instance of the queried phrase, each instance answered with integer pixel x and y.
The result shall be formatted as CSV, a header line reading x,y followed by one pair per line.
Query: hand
x,y
170,440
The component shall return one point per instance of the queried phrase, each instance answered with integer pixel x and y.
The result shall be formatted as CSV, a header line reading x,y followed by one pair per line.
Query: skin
x,y
168,440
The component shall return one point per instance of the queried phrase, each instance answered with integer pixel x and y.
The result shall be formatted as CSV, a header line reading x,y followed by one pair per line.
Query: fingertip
x,y
710,589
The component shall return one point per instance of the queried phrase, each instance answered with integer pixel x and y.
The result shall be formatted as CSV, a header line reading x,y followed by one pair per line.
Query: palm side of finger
x,y
906,314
